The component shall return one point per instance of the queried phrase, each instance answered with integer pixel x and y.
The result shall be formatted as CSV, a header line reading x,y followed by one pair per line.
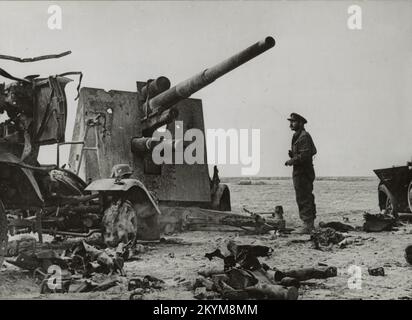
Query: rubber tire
x,y
3,233
410,196
390,201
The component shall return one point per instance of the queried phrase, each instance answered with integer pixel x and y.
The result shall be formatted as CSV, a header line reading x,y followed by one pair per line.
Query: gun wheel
x,y
410,196
3,233
130,216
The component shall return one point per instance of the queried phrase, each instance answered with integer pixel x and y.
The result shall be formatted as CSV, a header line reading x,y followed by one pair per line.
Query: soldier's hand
x,y
290,154
289,163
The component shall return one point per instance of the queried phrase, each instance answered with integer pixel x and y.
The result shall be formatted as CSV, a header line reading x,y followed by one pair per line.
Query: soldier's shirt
x,y
303,150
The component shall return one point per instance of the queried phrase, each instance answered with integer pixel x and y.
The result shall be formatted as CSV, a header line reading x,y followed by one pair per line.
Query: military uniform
x,y
302,152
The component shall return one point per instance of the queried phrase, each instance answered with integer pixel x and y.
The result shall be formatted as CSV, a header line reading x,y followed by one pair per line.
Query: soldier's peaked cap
x,y
297,117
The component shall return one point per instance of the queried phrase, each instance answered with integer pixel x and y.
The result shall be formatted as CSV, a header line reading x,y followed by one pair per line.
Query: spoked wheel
x,y
410,196
130,216
120,223
3,233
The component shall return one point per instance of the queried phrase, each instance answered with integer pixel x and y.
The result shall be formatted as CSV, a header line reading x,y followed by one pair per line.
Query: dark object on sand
x,y
41,260
379,271
246,278
244,255
289,282
378,222
336,225
272,292
408,254
240,284
146,282
326,237
307,273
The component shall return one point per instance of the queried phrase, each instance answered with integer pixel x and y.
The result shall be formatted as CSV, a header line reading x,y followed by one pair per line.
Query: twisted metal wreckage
x,y
112,140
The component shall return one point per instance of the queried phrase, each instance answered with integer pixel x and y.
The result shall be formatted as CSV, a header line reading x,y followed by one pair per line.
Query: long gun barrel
x,y
185,89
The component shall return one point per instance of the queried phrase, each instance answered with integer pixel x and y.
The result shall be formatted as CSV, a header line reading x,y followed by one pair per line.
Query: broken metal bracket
x,y
39,58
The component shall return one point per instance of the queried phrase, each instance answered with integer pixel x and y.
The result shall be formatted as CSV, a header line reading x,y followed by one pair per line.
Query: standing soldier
x,y
301,158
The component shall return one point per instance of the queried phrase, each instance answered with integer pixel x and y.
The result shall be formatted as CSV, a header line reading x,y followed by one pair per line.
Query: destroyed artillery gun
x,y
113,137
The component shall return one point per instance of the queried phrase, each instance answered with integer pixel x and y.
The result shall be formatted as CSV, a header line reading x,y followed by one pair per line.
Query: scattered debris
x,y
306,273
379,271
88,285
277,217
337,226
243,277
210,271
238,284
41,261
325,237
378,222
290,282
243,255
147,282
76,266
141,286
345,242
202,293
21,244
197,219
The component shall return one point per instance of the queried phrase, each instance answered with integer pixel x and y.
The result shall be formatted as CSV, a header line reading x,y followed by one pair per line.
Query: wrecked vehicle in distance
x,y
395,189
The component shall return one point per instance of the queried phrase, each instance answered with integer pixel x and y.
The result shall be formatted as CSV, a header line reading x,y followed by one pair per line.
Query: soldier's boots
x,y
307,227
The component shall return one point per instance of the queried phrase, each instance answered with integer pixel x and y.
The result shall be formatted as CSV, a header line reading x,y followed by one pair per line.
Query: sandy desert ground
x,y
178,264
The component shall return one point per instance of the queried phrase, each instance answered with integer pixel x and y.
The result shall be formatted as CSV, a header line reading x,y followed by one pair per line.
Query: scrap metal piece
x,y
7,75
146,282
272,292
244,255
307,273
39,58
378,222
379,271
24,244
290,282
336,225
326,237
41,260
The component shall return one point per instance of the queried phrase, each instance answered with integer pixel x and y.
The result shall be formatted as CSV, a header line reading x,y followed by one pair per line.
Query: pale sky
x,y
353,86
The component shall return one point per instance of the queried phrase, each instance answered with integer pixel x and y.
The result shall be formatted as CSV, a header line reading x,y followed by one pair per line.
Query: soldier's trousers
x,y
303,183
